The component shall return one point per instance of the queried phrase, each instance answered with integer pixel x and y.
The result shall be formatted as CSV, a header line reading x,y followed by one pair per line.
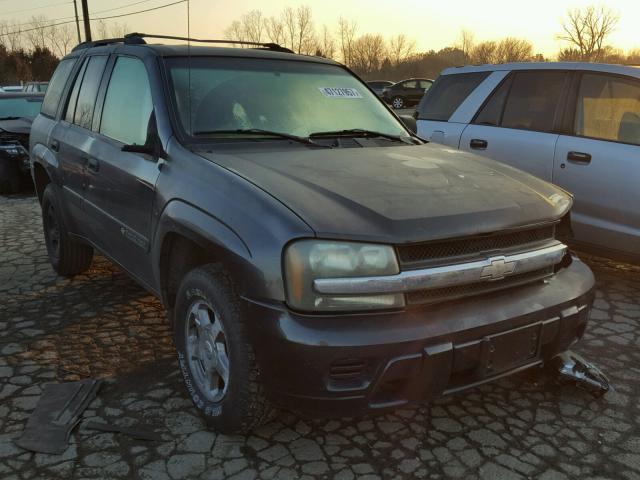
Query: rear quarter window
x,y
447,93
56,87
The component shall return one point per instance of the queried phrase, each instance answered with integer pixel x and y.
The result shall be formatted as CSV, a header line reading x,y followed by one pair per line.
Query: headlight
x,y
308,260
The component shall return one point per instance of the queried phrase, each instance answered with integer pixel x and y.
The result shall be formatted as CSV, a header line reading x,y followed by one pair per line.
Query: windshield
x,y
291,97
20,107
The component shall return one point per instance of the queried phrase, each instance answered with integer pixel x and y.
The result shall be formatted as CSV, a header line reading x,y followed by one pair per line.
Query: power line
x,y
37,8
94,19
73,16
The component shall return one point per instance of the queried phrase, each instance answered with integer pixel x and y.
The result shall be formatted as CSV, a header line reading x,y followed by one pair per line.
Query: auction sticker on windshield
x,y
335,92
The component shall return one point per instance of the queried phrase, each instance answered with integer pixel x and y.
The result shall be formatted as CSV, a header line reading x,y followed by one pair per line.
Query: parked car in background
x,y
406,92
36,87
379,85
312,251
12,88
17,111
574,124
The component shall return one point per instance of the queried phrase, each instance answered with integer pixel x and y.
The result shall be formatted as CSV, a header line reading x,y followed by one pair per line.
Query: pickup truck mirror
x,y
152,145
409,122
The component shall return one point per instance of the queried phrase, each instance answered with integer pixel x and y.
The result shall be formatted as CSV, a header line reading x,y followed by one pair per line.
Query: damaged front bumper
x,y
347,364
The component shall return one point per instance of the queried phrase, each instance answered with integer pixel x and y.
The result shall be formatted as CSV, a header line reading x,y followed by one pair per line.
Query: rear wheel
x,y
398,102
215,355
67,257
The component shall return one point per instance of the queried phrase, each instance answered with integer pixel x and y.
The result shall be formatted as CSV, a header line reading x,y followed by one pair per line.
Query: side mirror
x,y
152,145
409,122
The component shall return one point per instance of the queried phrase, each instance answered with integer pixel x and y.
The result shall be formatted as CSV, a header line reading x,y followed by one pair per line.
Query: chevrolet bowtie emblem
x,y
498,269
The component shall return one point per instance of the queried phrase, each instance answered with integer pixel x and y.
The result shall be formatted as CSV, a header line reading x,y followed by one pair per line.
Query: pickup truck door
x,y
516,125
600,162
121,185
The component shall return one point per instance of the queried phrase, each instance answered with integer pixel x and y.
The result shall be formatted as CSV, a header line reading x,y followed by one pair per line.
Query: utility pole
x,y
75,7
85,18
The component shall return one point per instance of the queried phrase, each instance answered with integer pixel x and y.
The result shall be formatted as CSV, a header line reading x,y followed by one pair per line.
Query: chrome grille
x,y
441,252
422,297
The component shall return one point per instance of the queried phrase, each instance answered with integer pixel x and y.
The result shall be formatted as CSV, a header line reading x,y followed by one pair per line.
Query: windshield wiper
x,y
358,132
241,131
10,118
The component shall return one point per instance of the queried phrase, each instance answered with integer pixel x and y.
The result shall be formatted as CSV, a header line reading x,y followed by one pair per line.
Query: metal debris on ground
x,y
572,368
56,415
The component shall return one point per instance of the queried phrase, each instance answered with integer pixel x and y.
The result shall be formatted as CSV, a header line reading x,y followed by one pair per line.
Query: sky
x,y
432,24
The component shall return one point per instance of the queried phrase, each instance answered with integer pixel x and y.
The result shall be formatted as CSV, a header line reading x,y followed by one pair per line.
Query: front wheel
x,y
215,356
398,102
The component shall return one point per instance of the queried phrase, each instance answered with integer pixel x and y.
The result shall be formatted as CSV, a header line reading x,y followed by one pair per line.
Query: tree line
x,y
29,51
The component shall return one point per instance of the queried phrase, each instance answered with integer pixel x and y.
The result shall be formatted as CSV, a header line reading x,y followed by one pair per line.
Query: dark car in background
x,y
406,92
378,86
17,111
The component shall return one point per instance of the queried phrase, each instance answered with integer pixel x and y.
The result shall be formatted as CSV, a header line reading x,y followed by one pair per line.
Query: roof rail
x,y
265,45
108,41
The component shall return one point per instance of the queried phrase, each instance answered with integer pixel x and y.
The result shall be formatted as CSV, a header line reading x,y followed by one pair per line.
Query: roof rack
x,y
138,39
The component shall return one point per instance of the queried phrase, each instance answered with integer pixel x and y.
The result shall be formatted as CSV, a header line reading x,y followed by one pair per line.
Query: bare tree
x,y
253,25
346,34
60,39
369,51
513,50
10,36
484,52
306,42
465,43
100,31
37,34
326,43
400,48
587,29
274,30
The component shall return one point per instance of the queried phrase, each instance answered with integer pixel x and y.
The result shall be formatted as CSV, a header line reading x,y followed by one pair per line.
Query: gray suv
x,y
311,251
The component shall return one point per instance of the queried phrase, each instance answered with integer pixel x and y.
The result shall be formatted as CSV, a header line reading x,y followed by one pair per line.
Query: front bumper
x,y
347,364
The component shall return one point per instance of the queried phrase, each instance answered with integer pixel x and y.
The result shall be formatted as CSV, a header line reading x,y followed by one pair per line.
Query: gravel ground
x,y
102,325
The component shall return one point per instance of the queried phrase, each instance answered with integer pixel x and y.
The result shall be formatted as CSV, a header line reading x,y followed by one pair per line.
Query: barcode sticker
x,y
340,92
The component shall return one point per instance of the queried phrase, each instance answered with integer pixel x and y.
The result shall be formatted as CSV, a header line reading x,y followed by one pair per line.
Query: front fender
x,y
41,155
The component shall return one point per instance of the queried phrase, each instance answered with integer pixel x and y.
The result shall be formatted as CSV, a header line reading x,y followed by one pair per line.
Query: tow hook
x,y
572,368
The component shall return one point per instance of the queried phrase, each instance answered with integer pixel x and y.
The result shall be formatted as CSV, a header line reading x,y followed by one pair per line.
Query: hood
x,y
19,126
399,194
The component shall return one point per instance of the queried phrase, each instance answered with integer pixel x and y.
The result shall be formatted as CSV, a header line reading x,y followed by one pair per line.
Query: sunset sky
x,y
431,24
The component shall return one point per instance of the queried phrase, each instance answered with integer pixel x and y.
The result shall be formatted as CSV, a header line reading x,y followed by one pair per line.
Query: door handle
x,y
478,144
93,165
55,145
579,157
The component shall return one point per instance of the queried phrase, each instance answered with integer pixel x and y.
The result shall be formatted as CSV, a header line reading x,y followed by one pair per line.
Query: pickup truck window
x,y
608,108
447,93
291,97
128,104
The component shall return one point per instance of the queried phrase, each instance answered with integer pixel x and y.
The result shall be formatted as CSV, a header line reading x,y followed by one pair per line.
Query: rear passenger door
x,y
443,101
518,122
121,185
600,162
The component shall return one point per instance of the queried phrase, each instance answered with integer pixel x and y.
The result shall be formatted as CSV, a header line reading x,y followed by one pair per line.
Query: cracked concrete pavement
x,y
102,325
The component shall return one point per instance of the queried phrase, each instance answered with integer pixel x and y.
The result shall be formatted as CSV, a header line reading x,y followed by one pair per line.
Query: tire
x,y
211,338
67,257
398,102
10,178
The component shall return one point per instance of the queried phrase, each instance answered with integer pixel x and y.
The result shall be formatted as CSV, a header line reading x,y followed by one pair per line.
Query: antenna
x,y
189,62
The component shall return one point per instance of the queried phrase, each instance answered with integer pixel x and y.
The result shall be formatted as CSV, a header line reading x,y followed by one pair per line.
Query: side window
x,y
409,84
56,87
425,85
491,112
85,105
73,98
608,108
447,93
127,106
533,100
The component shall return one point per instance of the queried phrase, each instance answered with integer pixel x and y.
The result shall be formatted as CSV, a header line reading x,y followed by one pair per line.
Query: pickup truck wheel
x,y
9,176
214,353
67,257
